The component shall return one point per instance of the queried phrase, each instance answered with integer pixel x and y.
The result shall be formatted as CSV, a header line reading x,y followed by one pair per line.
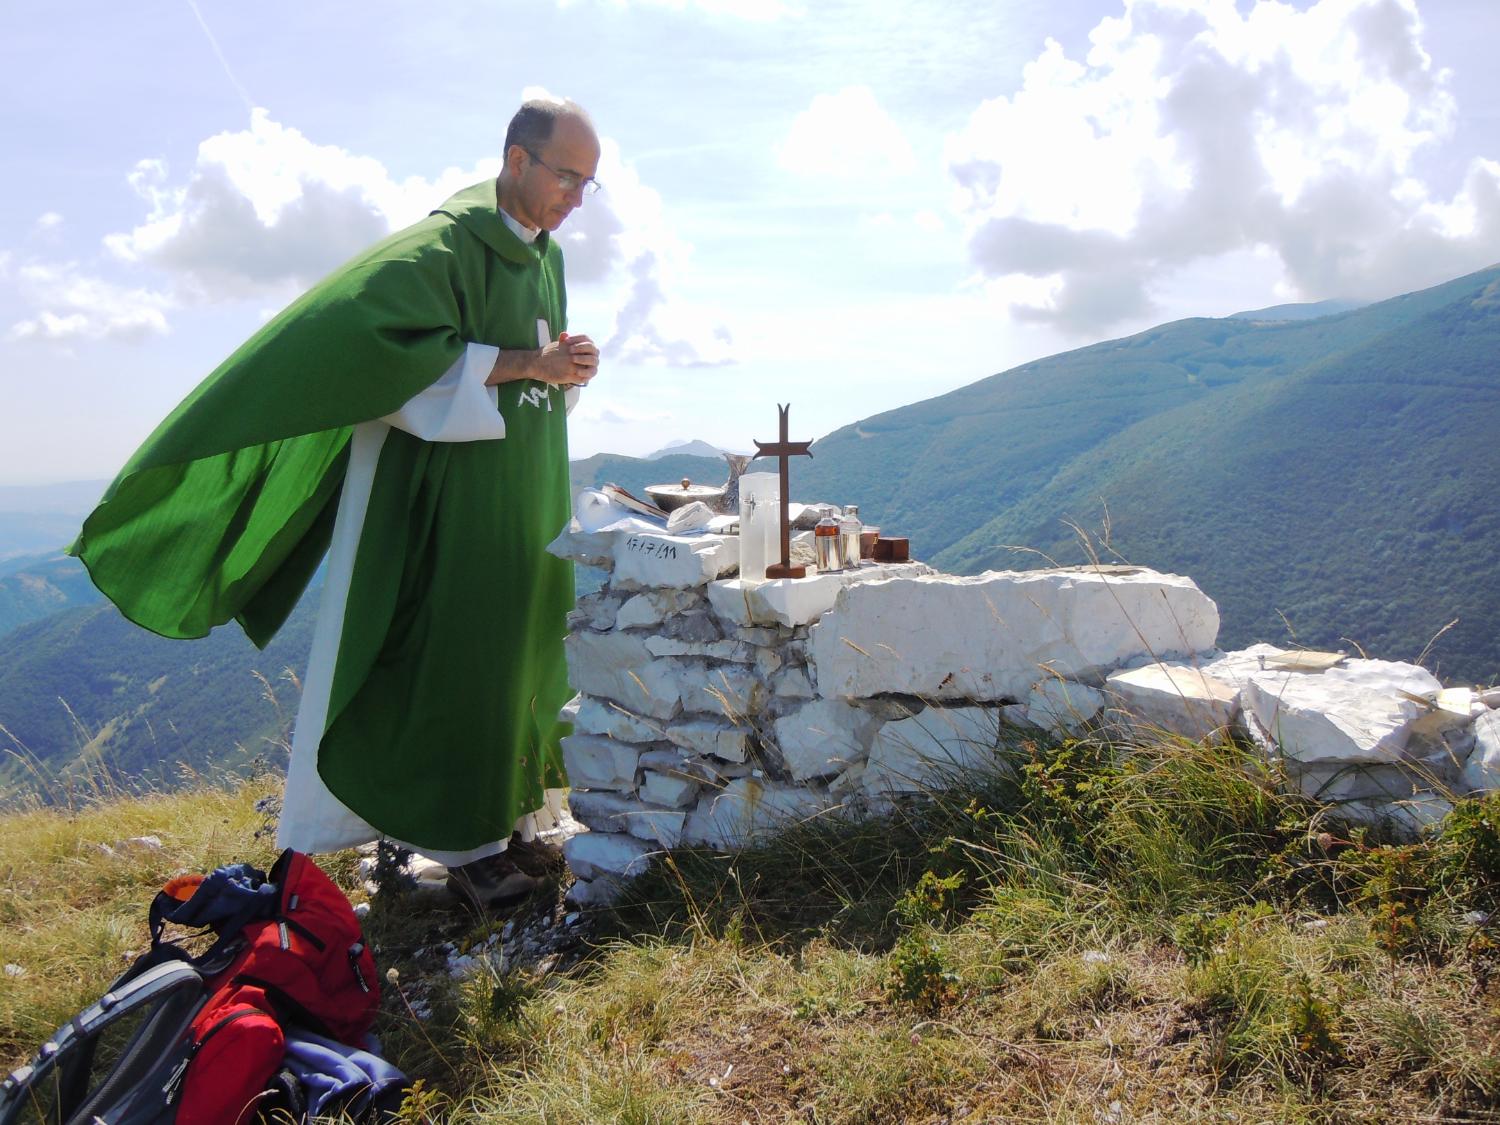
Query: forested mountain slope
x,y
1332,470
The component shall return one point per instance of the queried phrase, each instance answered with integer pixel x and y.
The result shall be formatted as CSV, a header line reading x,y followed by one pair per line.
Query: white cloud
x,y
1192,130
846,135
48,222
265,206
71,305
265,210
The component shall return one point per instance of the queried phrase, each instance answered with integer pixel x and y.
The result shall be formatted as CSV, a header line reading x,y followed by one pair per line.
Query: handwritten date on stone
x,y
653,548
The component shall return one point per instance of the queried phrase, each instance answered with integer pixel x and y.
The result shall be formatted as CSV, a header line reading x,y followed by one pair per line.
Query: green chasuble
x,y
441,722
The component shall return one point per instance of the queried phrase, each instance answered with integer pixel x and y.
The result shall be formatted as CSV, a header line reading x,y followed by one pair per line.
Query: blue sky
x,y
848,206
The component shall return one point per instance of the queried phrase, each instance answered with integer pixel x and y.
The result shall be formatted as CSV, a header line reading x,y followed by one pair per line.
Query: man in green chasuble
x,y
406,416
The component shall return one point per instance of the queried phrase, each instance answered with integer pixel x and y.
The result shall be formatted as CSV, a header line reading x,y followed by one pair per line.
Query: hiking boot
x,y
535,857
492,883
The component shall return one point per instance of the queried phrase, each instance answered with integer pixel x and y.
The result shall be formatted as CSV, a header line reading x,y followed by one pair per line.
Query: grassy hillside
x,y
1088,937
1328,470
37,586
85,693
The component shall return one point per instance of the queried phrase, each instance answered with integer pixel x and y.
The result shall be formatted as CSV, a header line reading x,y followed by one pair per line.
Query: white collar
x,y
524,233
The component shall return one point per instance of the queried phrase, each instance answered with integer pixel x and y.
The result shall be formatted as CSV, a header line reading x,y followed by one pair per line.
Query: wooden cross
x,y
784,450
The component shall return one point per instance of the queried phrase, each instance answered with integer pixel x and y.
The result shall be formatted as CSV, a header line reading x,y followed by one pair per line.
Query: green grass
x,y
1098,933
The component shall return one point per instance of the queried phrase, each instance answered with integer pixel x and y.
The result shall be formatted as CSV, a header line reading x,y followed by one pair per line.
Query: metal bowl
x,y
669,497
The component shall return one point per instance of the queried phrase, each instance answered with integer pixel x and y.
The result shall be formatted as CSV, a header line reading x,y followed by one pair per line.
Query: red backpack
x,y
289,953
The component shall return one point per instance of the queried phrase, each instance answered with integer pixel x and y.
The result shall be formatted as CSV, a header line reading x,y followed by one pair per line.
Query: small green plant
x,y
920,974
933,899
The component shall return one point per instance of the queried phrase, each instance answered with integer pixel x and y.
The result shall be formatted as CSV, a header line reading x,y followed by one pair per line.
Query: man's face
x,y
540,199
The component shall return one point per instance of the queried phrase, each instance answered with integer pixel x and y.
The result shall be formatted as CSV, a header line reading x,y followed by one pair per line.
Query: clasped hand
x,y
569,361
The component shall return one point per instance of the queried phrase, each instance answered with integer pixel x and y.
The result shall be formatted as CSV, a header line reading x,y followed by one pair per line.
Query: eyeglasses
x,y
568,180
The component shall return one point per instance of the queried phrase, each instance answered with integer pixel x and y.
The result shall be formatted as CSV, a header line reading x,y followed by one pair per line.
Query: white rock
x,y
987,638
619,667
599,716
585,894
596,611
704,736
674,764
733,651
650,608
690,517
594,854
692,625
1060,706
14,970
676,561
1235,668
795,601
1175,698
670,790
1408,819
589,548
599,763
730,691
748,809
1359,712
612,813
792,683
1340,782
932,749
1482,771
824,737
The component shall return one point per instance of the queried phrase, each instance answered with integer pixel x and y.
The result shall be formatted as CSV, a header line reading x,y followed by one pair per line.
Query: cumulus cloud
x,y
71,305
265,209
845,135
1195,128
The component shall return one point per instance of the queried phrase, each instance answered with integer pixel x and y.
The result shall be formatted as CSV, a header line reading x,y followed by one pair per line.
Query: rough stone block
x,y
600,763
1060,706
591,855
643,559
587,894
824,737
988,638
650,608
1481,772
721,740
750,809
735,652
1176,698
790,602
602,717
587,548
610,812
595,611
729,691
792,683
932,749
670,790
619,667
673,764
1360,712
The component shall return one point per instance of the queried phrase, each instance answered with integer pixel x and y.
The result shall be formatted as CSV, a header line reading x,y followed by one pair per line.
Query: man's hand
x,y
569,361
574,358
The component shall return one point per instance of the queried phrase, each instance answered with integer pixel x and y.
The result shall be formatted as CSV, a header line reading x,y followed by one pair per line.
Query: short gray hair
x,y
532,126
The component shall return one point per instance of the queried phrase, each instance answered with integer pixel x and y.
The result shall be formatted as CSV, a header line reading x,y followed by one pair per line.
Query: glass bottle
x,y
849,529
